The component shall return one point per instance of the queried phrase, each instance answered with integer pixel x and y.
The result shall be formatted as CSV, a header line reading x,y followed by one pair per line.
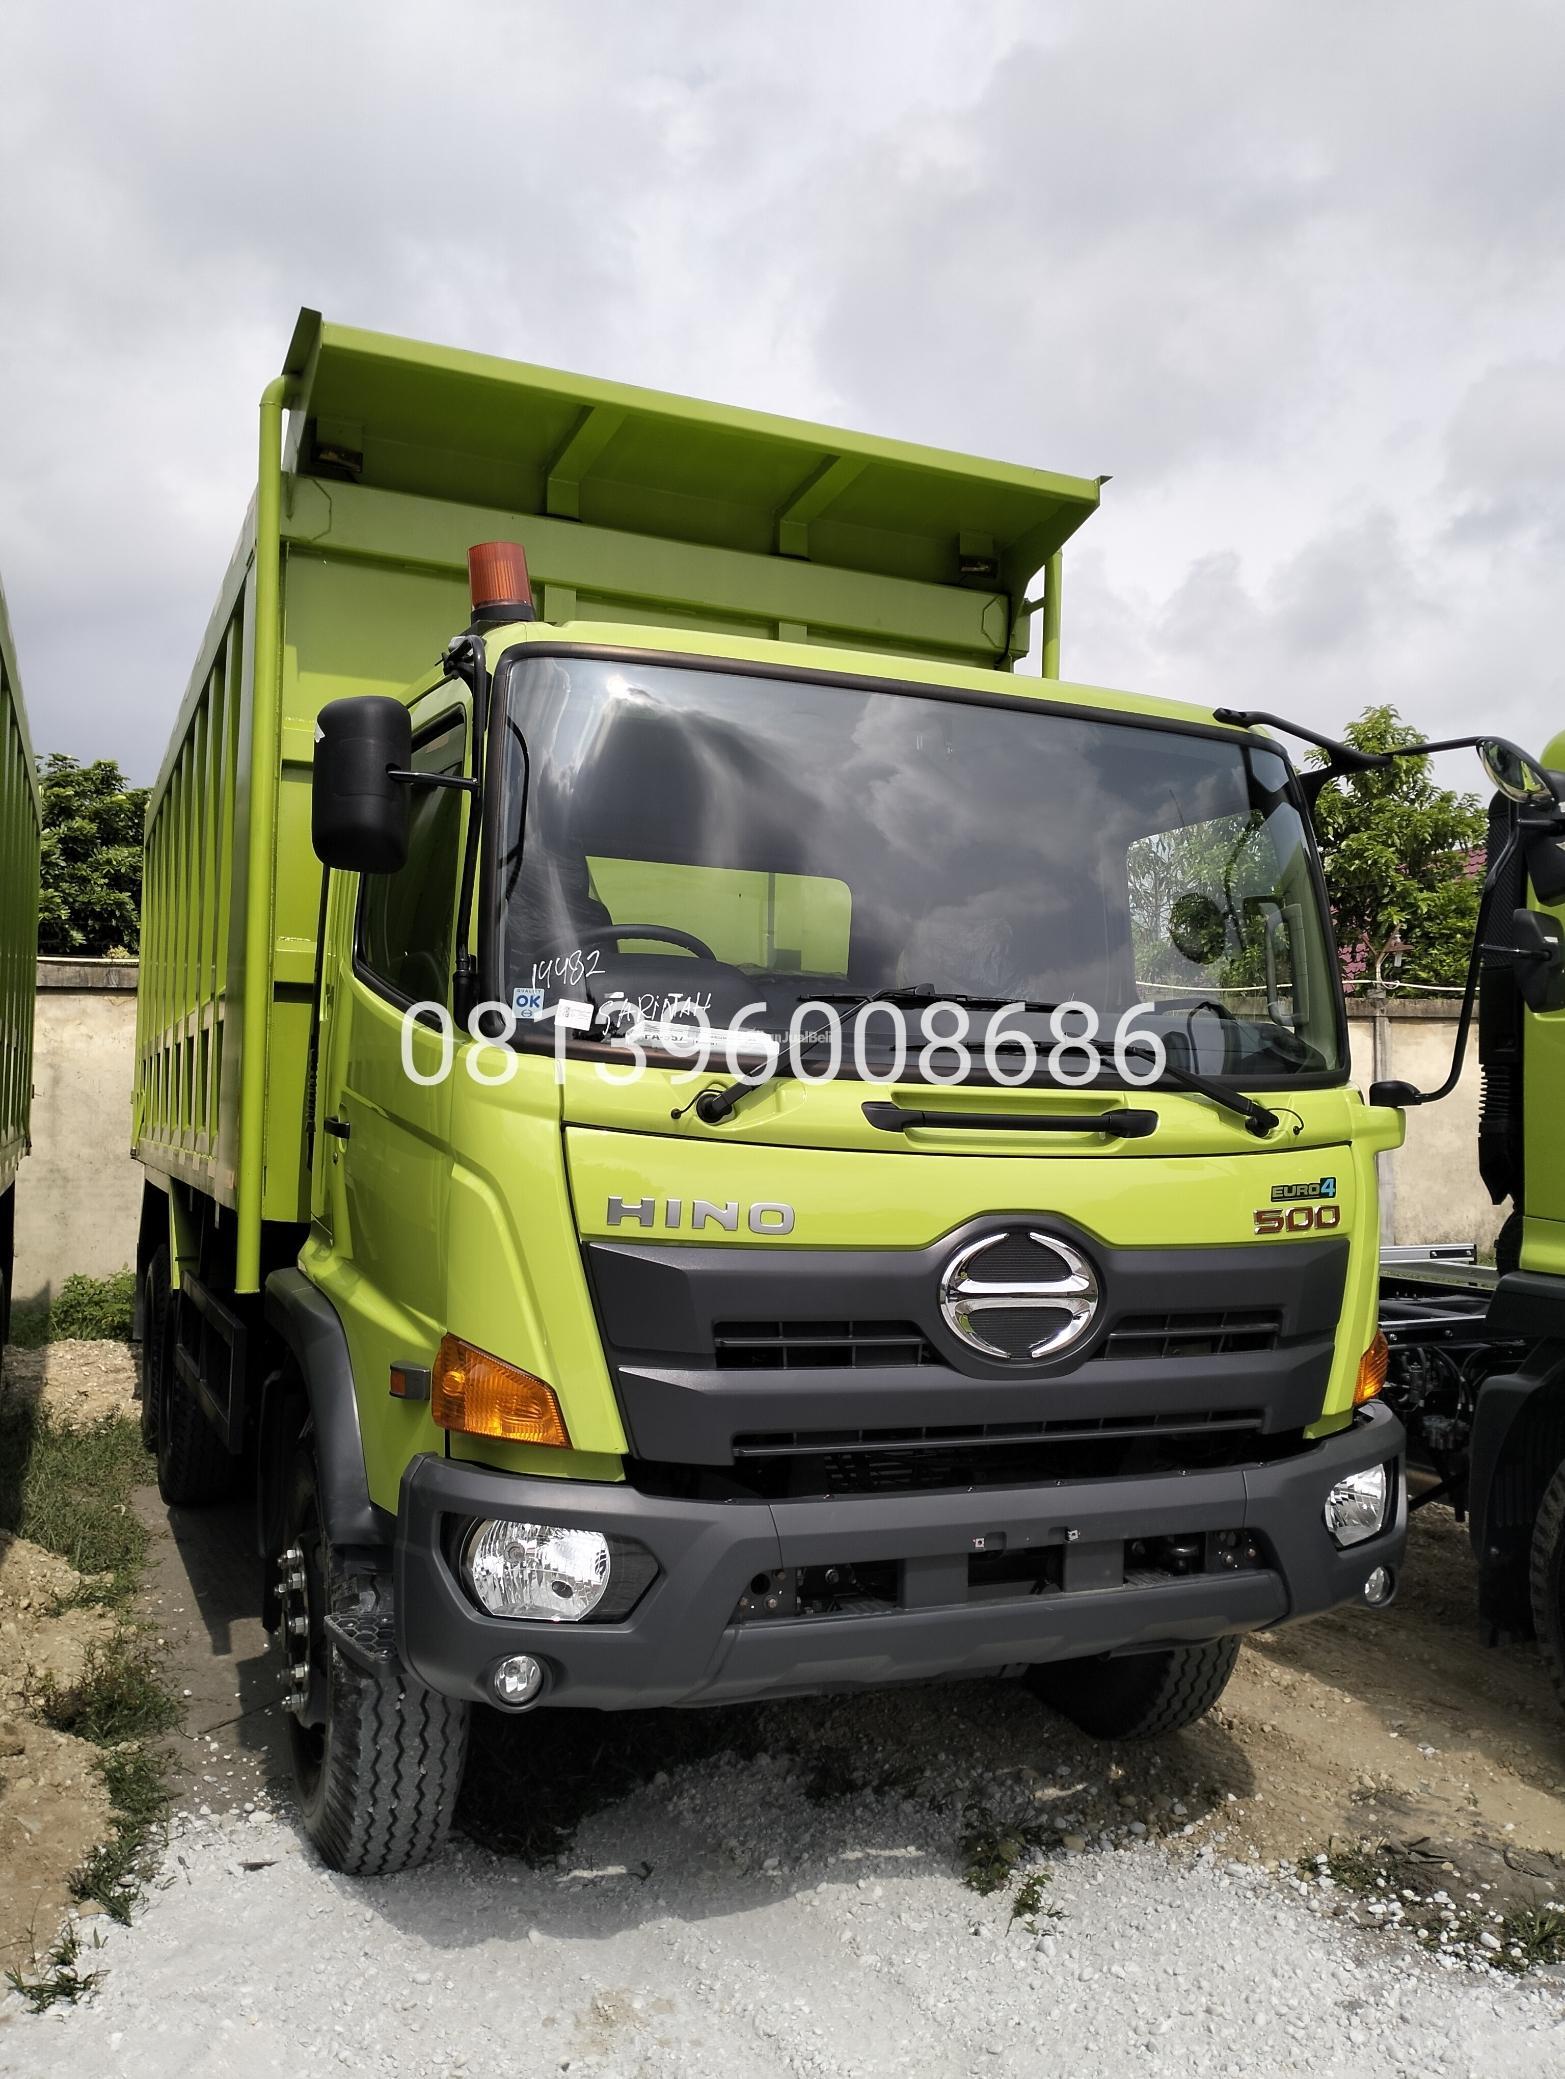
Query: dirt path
x,y
53,1806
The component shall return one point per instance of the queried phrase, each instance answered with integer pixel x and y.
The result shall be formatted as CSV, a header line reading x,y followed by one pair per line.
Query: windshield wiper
x,y
721,1100
1257,1119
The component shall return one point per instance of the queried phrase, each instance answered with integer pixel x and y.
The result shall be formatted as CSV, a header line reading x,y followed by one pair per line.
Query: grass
x,y
62,1977
993,1850
96,1310
1396,1886
69,1490
120,1698
136,1778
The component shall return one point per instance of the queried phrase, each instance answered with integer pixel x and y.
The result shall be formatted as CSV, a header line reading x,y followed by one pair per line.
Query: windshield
x,y
777,841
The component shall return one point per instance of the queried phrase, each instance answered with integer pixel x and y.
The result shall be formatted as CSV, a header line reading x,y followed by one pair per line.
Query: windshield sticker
x,y
572,968
527,1003
573,1016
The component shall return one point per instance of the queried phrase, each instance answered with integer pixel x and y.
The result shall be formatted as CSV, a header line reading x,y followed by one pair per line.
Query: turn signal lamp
x,y
1372,1370
481,1396
497,581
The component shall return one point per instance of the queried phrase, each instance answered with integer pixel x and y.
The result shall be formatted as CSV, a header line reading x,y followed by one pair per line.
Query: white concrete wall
x,y
78,1196
1430,1188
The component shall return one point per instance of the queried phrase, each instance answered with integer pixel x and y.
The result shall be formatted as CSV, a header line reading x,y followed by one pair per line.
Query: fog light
x,y
1356,1507
517,1680
1379,1587
536,1570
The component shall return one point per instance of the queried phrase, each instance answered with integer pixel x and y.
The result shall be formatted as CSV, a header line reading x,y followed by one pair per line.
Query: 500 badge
x,y
1298,1219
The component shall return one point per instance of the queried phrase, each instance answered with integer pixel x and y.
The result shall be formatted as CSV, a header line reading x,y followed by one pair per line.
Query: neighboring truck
x,y
903,1211
20,829
1477,1355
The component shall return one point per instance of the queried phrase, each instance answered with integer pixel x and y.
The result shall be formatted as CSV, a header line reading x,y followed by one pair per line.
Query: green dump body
x,y
20,824
381,462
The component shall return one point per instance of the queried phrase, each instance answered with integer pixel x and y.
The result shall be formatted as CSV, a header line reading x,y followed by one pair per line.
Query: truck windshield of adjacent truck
x,y
707,1136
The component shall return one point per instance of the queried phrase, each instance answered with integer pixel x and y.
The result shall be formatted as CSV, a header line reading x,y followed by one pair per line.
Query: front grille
x,y
774,1443
798,1467
786,1346
1219,1333
790,1346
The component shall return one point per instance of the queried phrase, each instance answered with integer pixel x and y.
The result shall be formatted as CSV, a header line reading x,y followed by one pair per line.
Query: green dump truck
x,y
781,1152
20,824
1477,1367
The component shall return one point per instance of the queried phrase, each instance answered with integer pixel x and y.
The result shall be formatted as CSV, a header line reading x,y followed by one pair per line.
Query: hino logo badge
x,y
1019,1296
766,1216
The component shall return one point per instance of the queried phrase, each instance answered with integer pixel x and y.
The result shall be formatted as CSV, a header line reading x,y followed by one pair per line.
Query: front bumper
x,y
685,1642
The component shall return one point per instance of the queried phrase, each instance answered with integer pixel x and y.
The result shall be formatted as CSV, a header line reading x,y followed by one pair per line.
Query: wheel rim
x,y
301,1596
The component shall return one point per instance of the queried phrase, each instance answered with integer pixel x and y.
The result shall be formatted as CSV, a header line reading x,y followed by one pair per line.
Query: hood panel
x,y
830,1115
644,1187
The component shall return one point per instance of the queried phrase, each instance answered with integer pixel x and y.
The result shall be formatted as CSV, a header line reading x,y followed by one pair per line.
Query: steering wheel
x,y
611,934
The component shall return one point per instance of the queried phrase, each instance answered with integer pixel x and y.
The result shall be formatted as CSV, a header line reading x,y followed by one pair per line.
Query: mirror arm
x,y
458,780
1404,1095
1343,757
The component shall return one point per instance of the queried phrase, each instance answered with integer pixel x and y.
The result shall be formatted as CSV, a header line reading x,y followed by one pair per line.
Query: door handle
x,y
339,1129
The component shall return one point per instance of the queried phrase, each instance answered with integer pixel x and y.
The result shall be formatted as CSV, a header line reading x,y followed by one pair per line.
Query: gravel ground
x,y
740,1902
722,1922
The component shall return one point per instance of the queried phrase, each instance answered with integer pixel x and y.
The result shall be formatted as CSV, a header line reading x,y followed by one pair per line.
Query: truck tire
x,y
156,1328
194,1465
1546,1579
377,1757
7,1265
1141,1696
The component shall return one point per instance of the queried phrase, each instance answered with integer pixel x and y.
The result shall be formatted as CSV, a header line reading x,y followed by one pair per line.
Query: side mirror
x,y
1514,774
1536,952
358,804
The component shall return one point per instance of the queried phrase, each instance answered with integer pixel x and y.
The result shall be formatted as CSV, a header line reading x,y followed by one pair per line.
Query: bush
x,y
94,1310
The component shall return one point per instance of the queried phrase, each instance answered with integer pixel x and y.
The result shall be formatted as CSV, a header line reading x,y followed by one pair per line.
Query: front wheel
x,y
1142,1696
377,1757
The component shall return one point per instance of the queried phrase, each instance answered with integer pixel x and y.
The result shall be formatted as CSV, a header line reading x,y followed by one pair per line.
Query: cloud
x,y
1292,275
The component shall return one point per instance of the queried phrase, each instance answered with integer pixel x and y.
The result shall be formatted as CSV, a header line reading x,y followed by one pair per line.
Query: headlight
x,y
536,1570
1356,1507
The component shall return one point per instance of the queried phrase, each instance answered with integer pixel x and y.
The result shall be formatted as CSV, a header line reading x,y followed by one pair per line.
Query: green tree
x,y
1400,865
90,899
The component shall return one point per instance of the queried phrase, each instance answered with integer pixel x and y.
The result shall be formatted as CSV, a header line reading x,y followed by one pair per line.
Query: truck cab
x,y
795,1154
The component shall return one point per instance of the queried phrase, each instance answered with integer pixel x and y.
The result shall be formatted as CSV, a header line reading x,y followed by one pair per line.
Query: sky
x,y
1293,276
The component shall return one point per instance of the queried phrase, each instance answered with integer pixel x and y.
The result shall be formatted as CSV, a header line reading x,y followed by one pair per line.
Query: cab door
x,y
382,1164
